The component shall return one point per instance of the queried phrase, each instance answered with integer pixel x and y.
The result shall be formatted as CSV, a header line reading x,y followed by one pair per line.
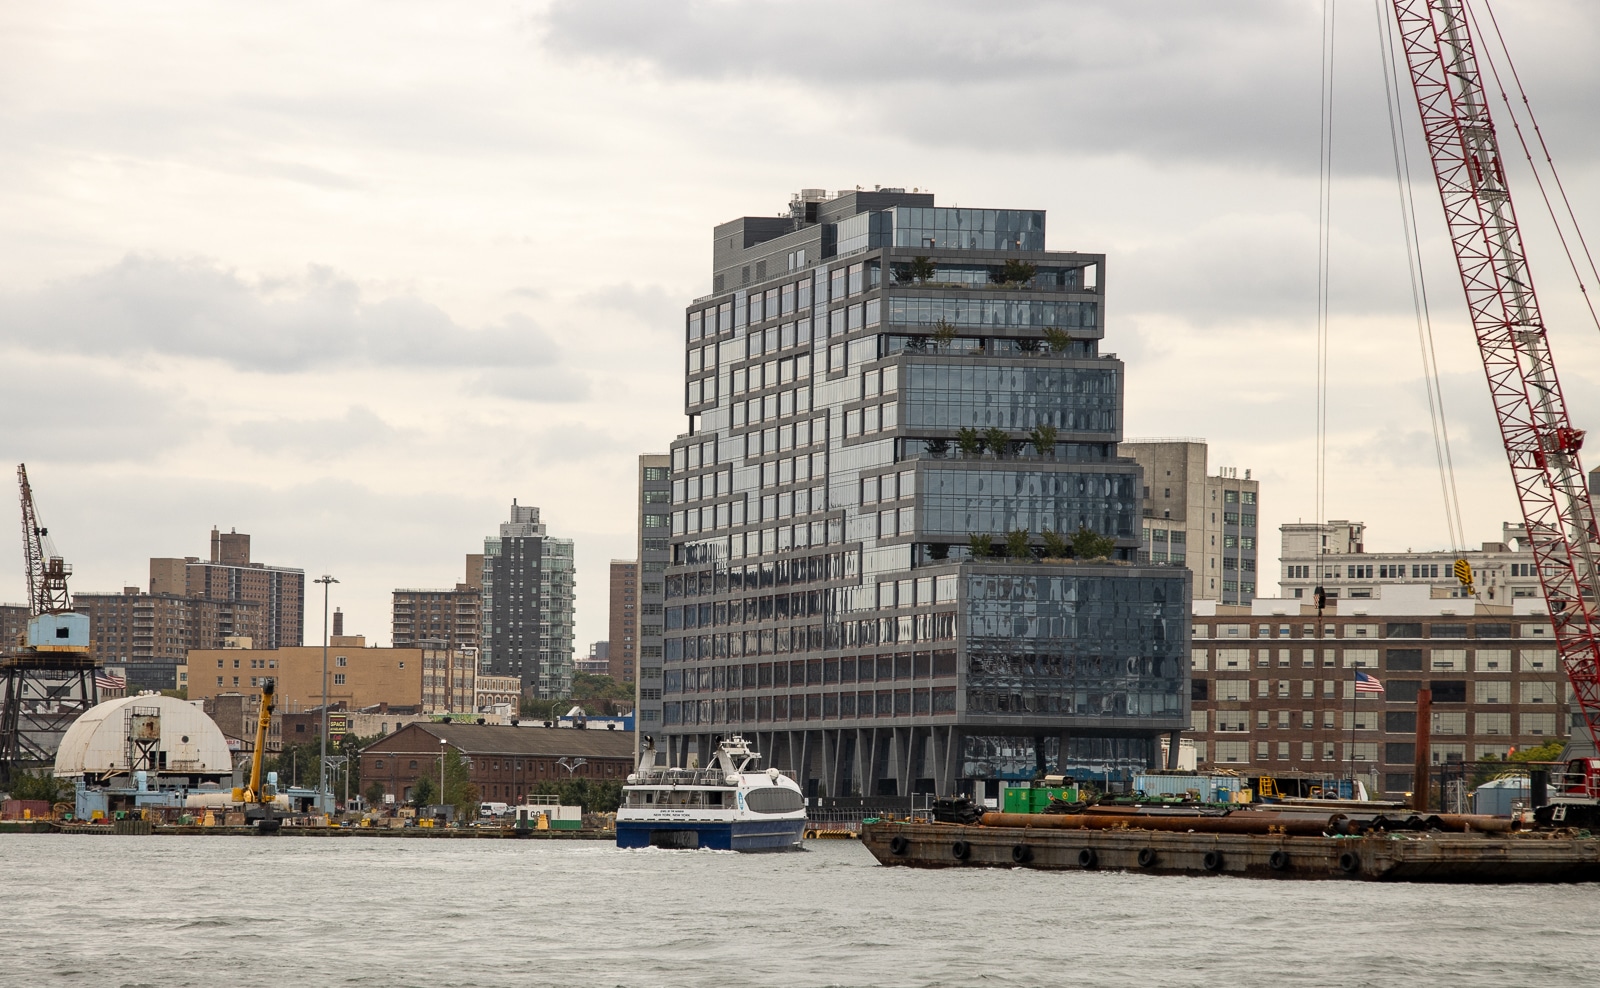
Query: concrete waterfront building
x,y
231,575
1205,521
622,654
452,616
1334,556
890,404
655,522
150,635
1274,683
529,588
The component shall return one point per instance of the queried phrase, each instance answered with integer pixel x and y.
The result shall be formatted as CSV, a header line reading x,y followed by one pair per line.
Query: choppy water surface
x,y
178,911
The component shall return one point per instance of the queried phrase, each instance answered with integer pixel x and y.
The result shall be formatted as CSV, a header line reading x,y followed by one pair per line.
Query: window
x,y
341,661
338,679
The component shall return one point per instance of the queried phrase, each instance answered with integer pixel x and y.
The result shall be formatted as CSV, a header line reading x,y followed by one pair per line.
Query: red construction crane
x,y
47,572
1541,443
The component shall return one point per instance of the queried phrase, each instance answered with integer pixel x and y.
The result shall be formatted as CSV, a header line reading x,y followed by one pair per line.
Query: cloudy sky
x,y
350,277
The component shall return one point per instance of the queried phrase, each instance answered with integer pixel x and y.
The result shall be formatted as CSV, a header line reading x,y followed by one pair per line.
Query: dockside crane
x,y
258,797
47,680
1541,443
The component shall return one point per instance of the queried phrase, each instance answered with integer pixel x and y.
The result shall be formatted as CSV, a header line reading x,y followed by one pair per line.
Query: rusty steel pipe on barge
x,y
1239,823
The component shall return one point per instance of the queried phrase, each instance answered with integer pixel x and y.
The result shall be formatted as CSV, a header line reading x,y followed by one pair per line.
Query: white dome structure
x,y
159,733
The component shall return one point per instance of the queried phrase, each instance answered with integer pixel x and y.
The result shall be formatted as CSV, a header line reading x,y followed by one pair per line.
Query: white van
x,y
493,809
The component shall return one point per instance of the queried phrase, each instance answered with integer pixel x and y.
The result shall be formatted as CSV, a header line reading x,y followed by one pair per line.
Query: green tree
x,y
459,790
998,441
375,793
534,709
1017,546
43,786
1017,272
922,267
422,793
1059,340
1055,547
944,333
594,796
1043,438
980,545
969,442
1550,751
1088,544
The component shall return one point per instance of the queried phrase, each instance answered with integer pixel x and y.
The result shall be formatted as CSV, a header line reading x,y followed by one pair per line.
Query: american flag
x,y
110,681
1366,684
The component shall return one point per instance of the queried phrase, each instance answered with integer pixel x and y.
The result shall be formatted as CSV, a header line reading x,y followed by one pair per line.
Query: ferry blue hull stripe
x,y
744,835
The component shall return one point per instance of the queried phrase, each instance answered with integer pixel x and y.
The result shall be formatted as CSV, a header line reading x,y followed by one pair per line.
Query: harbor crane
x,y
1541,443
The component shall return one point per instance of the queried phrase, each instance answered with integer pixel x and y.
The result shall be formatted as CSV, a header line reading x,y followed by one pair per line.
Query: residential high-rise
x,y
230,575
150,635
529,585
1334,556
622,655
896,413
454,617
1205,521
655,522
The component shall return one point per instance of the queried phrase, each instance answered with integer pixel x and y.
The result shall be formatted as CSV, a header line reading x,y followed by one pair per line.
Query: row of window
x,y
1392,629
908,629
813,706
1398,659
813,672
1441,722
1536,691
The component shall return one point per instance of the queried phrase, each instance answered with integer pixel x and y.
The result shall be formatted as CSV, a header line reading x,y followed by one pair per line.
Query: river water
x,y
216,911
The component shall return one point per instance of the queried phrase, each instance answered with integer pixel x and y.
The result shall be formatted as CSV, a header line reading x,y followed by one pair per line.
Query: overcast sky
x,y
350,277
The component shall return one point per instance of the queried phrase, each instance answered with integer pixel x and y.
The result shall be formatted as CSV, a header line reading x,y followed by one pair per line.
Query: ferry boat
x,y
729,806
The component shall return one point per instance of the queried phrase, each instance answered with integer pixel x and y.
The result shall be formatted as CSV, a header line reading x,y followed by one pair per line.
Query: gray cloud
x,y
61,411
318,439
1230,81
146,304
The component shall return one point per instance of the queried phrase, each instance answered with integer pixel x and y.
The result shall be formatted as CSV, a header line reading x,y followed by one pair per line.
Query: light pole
x,y
442,745
573,767
322,776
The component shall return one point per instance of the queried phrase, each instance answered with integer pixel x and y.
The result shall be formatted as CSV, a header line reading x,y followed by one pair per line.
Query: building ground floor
x,y
934,758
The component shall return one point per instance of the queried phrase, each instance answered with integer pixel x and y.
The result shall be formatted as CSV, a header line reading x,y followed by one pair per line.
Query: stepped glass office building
x,y
865,388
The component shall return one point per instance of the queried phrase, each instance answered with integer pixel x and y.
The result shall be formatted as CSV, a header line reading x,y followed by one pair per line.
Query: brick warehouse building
x,y
506,761
1272,695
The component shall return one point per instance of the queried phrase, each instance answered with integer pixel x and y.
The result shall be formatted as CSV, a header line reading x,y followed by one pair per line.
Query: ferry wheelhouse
x,y
729,806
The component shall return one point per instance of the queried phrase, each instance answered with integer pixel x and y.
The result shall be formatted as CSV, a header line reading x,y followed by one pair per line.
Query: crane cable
x,y
1418,281
1488,57
1324,228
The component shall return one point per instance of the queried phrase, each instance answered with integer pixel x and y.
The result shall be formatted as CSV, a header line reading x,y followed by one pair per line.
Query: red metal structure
x,y
1541,443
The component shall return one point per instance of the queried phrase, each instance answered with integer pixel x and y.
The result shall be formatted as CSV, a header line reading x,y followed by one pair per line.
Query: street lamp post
x,y
322,772
442,745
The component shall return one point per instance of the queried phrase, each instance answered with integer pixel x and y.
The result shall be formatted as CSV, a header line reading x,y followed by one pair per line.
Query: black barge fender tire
x,y
1349,862
1021,853
1147,857
1212,861
898,846
1087,858
960,850
1278,860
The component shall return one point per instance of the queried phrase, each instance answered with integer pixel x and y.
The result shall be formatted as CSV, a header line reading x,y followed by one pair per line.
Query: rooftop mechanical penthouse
x,y
895,409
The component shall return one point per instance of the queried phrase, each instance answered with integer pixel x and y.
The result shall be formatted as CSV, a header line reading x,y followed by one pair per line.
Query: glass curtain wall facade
x,y
655,522
895,410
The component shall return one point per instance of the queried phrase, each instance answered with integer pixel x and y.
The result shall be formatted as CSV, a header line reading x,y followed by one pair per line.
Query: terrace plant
x,y
1058,340
998,441
922,268
980,545
1089,544
1043,438
1017,546
944,333
1055,547
969,442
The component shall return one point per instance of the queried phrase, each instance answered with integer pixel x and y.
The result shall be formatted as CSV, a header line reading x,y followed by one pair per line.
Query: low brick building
x,y
506,761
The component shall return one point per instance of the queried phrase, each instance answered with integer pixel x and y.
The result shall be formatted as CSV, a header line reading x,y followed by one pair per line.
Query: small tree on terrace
x,y
1089,544
1059,340
970,443
1017,546
980,545
1043,438
921,268
998,441
1018,272
944,333
1055,547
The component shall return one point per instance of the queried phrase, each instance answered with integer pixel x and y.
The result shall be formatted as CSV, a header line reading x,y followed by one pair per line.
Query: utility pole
x,y
322,777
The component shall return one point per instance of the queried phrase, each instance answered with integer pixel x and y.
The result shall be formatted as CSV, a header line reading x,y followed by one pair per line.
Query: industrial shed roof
x,y
504,739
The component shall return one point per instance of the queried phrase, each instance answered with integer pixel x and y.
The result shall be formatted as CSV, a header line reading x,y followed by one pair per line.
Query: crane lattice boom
x,y
47,573
1541,443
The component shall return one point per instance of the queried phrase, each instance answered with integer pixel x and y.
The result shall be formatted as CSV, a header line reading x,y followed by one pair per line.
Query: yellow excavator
x,y
259,795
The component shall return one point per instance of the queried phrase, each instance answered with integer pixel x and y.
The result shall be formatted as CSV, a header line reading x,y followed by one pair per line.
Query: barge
x,y
1288,849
